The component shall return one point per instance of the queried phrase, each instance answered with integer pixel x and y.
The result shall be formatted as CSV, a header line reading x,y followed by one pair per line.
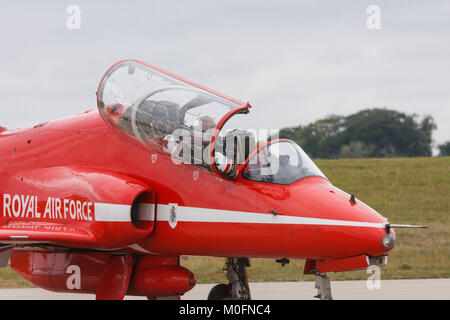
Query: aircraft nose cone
x,y
375,240
388,241
346,225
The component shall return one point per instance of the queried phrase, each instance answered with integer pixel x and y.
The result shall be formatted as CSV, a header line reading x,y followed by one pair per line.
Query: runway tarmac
x,y
426,289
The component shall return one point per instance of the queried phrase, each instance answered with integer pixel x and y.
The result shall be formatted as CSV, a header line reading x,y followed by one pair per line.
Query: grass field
x,y
405,190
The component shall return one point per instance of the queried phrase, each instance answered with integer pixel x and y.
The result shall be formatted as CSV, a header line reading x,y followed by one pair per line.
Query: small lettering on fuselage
x,y
30,206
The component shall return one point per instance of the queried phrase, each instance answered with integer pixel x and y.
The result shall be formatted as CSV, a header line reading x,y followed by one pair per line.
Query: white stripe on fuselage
x,y
192,214
109,212
121,213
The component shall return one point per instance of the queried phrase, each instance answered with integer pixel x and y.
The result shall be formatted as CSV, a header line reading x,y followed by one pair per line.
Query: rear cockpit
x,y
148,103
163,110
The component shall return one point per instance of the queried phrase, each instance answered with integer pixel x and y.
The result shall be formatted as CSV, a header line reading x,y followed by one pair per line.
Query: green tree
x,y
318,139
368,133
392,133
444,149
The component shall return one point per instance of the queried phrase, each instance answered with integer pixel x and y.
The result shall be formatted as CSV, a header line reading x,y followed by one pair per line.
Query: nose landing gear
x,y
237,287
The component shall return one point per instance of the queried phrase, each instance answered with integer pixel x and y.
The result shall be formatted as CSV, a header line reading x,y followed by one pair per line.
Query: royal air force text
x,y
30,207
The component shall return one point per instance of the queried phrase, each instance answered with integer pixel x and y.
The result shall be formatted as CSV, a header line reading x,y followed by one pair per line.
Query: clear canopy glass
x,y
280,162
157,107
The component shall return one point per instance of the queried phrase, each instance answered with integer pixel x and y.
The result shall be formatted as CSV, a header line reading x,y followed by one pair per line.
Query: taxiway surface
x,y
423,289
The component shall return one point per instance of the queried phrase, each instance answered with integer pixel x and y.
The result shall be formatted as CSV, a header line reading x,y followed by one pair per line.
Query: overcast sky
x,y
294,61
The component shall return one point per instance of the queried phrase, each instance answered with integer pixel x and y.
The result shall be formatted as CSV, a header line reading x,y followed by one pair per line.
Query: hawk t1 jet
x,y
107,201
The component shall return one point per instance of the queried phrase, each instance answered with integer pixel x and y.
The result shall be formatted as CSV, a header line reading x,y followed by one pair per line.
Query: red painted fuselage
x,y
216,216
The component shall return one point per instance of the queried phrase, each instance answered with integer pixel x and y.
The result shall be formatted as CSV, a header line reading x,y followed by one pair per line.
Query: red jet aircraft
x,y
106,202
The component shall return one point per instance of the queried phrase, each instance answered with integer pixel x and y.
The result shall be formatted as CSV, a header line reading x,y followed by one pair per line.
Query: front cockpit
x,y
185,120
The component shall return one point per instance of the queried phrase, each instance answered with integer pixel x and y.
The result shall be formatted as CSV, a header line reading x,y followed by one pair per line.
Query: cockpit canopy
x,y
184,119
149,104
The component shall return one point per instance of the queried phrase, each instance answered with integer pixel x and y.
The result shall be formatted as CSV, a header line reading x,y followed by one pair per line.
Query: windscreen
x,y
280,162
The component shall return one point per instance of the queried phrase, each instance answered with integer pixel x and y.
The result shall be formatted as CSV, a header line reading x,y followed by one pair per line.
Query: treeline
x,y
368,133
